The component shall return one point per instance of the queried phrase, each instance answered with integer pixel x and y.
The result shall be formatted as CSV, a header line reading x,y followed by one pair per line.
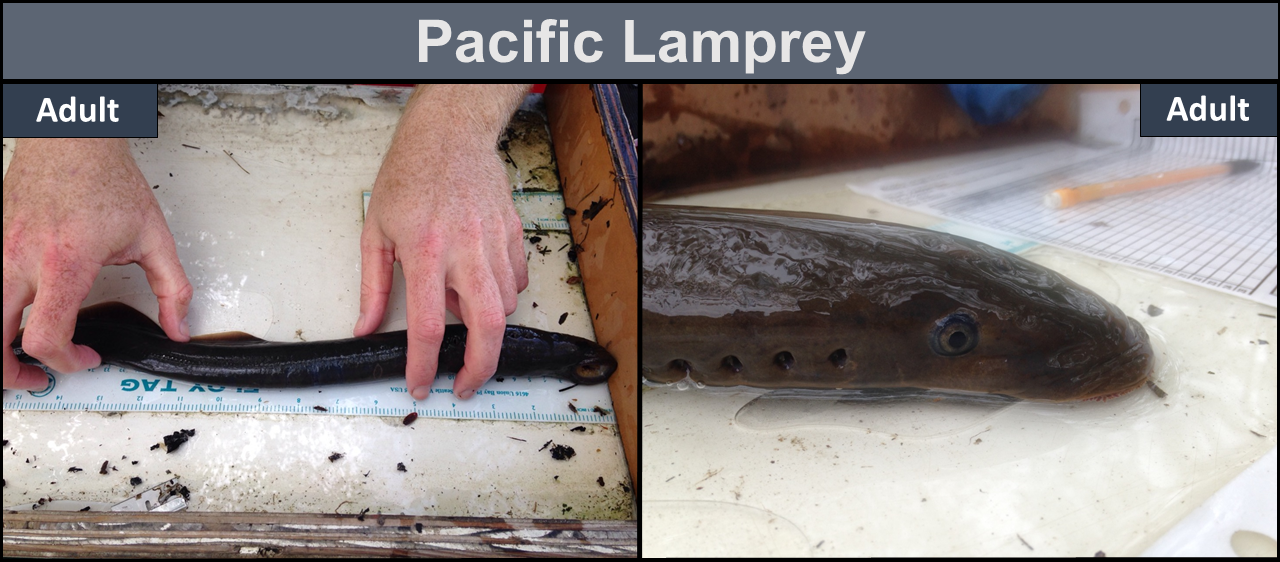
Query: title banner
x,y
636,42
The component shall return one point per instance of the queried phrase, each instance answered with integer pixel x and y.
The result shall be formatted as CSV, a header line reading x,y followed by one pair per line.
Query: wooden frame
x,y
211,534
589,140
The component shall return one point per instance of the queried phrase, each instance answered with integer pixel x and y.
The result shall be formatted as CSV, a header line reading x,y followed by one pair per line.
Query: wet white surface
x,y
1029,479
266,213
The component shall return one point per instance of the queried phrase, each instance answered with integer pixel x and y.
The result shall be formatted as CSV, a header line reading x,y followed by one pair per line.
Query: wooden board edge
x,y
609,256
212,534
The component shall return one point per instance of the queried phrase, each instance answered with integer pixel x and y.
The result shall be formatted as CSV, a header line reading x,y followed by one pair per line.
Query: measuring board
x,y
1216,232
112,388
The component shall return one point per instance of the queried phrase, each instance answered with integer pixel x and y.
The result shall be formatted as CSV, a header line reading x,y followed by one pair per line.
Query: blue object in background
x,y
992,104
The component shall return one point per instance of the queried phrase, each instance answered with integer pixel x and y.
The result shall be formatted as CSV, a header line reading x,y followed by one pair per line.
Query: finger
x,y
17,295
25,377
451,303
500,269
482,313
168,281
377,261
424,295
501,255
515,249
498,253
64,284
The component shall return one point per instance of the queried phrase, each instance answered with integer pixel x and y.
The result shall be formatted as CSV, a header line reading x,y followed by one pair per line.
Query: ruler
x,y
112,388
541,210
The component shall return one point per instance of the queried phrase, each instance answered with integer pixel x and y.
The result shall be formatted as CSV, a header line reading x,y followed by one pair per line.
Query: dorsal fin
x,y
121,314
228,337
117,313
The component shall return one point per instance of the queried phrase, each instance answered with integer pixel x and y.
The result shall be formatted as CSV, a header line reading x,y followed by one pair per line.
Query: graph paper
x,y
1218,232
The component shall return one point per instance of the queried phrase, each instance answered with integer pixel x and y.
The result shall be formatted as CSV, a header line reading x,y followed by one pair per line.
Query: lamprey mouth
x,y
1121,374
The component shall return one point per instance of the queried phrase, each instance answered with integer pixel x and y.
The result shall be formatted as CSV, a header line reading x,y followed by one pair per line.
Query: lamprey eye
x,y
955,334
595,370
592,370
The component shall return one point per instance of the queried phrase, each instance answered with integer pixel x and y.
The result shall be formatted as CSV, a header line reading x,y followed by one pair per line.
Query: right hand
x,y
72,206
442,207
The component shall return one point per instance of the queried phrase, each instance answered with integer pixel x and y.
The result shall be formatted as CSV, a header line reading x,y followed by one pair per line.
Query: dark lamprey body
x,y
802,300
126,337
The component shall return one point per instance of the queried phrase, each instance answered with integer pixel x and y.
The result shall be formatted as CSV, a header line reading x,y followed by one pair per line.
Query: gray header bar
x,y
280,42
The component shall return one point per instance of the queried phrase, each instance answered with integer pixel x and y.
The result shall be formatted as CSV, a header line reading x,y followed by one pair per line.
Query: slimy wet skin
x,y
800,300
123,336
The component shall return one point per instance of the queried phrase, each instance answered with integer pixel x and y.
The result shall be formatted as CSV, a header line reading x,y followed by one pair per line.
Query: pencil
x,y
1066,197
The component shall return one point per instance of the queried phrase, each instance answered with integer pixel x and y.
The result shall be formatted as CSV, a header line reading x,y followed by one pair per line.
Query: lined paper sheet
x,y
1217,232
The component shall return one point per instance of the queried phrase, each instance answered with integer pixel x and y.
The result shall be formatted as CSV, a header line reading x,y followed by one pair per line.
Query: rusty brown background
x,y
699,137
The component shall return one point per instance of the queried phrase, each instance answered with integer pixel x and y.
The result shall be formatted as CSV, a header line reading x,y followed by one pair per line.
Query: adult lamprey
x,y
123,336
801,300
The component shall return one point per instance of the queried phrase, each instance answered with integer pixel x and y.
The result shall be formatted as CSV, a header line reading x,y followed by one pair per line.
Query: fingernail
x,y
360,322
466,394
183,329
420,393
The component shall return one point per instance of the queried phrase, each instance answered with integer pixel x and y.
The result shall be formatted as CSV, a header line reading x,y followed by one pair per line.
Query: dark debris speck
x,y
562,452
596,207
175,440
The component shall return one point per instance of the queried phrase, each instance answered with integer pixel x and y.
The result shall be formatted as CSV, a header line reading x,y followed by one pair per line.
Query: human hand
x,y
442,207
72,206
